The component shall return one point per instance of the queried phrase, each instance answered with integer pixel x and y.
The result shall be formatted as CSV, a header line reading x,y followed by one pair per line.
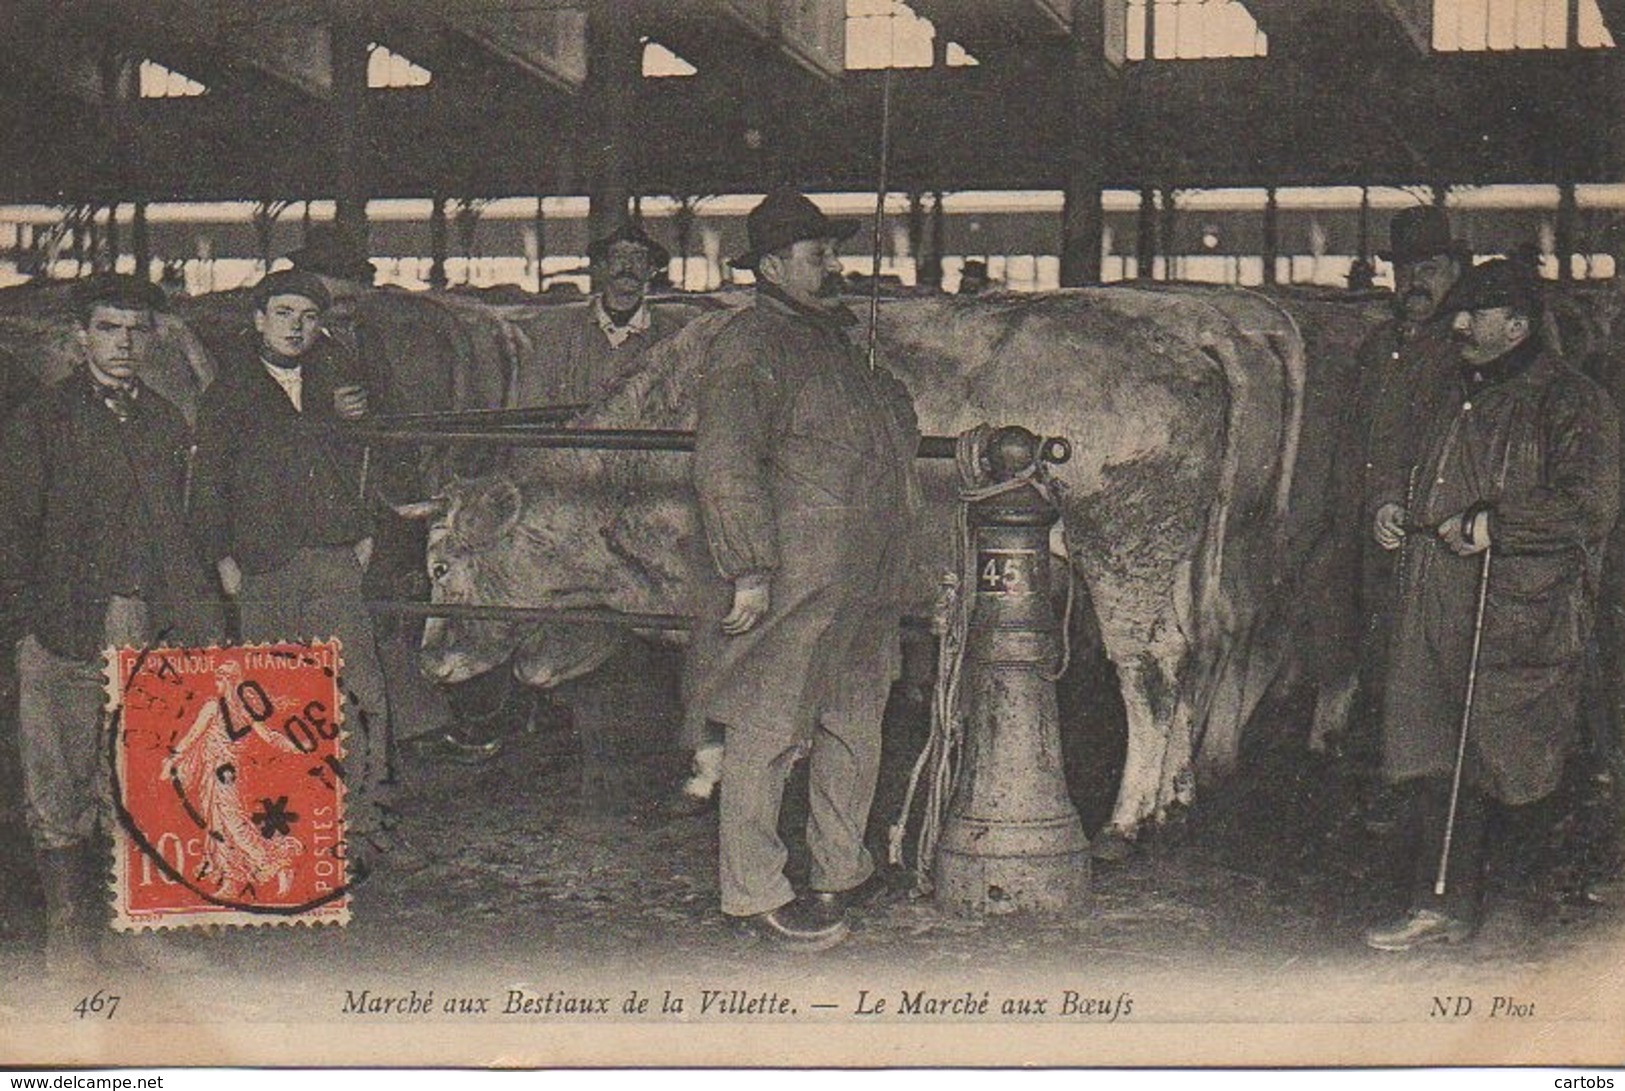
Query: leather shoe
x,y
796,926
1420,928
833,905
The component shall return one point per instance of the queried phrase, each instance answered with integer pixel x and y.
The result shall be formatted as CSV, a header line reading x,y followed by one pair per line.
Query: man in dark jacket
x,y
803,466
1405,366
1515,488
93,553
280,510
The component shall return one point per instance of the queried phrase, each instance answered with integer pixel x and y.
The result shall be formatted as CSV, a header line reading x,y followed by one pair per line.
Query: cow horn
x,y
432,508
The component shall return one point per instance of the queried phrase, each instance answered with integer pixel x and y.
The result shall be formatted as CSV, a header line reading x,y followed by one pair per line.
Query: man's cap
x,y
291,282
659,256
1496,283
1418,233
118,290
786,216
331,251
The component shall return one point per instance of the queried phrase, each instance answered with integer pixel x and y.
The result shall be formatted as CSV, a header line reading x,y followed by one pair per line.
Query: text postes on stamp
x,y
228,783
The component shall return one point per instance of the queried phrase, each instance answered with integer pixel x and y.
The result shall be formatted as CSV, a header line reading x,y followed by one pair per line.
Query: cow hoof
x,y
683,804
1111,847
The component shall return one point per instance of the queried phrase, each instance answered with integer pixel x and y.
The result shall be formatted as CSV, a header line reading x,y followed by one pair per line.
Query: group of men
x,y
121,523
1487,483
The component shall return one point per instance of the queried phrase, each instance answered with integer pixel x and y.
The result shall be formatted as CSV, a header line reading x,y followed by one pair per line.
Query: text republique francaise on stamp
x,y
228,785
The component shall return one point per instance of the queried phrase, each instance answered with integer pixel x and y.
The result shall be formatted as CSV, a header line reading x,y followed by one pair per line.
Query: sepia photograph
x,y
575,534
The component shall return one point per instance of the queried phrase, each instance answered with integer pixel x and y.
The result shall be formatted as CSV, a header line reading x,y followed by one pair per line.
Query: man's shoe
x,y
1420,928
796,926
833,905
447,746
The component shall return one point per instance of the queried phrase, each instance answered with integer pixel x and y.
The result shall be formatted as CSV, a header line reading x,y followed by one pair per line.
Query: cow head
x,y
490,544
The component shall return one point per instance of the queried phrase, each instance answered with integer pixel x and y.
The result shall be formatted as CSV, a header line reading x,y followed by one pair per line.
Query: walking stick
x,y
1466,718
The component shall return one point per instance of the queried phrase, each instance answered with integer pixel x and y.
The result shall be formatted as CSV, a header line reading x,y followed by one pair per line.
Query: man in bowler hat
x,y
1403,368
804,470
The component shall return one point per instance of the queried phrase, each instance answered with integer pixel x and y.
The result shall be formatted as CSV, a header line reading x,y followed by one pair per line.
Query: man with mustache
x,y
803,466
1518,461
608,339
1402,368
278,507
93,552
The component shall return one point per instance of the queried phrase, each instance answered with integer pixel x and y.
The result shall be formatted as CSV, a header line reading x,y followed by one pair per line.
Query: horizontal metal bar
x,y
580,439
581,616
480,418
577,616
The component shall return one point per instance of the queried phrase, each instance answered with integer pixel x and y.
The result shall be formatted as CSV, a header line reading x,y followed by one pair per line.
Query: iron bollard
x,y
1012,840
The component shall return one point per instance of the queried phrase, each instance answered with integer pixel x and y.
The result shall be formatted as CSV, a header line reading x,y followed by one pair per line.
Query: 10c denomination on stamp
x,y
228,784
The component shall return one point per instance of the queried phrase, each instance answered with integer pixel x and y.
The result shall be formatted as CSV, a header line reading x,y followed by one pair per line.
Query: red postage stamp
x,y
228,778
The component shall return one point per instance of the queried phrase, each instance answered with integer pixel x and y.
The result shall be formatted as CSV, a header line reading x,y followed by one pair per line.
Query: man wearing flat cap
x,y
1402,368
607,339
278,507
1500,539
804,470
93,552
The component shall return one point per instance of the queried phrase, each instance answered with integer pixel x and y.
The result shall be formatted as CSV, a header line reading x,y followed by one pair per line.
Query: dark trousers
x,y
1427,816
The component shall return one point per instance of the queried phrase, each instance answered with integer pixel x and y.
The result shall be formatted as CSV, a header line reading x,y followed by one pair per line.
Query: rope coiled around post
x,y
938,763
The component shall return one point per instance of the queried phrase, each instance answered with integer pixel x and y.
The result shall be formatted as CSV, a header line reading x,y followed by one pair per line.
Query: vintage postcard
x,y
827,533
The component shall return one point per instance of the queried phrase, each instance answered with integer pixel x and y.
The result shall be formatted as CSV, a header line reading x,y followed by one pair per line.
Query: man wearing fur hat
x,y
1513,489
804,470
606,340
279,509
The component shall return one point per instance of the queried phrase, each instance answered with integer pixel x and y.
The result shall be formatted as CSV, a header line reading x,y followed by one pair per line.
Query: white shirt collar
x,y
291,380
617,335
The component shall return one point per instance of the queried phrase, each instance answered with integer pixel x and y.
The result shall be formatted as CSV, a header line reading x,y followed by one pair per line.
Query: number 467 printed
x,y
101,1002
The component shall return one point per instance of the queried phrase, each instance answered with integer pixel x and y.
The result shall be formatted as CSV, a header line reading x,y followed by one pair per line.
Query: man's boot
x,y
70,919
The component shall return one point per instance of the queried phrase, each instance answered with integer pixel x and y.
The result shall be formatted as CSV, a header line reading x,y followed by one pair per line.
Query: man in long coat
x,y
1404,367
803,466
1515,489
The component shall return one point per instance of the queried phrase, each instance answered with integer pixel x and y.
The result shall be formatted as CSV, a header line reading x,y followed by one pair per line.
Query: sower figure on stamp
x,y
804,470
1405,366
95,553
1513,493
279,509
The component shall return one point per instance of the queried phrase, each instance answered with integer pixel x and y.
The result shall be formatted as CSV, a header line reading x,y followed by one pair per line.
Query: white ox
x,y
1184,411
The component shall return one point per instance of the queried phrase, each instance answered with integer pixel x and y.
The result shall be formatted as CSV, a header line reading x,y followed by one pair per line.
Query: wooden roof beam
x,y
549,44
1300,25
984,26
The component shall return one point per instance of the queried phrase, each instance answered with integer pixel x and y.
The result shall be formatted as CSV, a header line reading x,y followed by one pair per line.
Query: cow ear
x,y
489,514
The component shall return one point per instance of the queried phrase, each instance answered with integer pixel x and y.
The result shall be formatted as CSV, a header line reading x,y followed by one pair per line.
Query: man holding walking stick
x,y
1501,523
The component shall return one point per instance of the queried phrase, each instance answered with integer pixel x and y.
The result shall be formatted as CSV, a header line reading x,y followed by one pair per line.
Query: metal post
x,y
348,108
1012,840
613,77
1272,237
141,242
437,242
1145,248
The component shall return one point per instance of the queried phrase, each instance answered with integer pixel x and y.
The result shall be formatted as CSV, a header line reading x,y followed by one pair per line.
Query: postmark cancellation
x,y
228,785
